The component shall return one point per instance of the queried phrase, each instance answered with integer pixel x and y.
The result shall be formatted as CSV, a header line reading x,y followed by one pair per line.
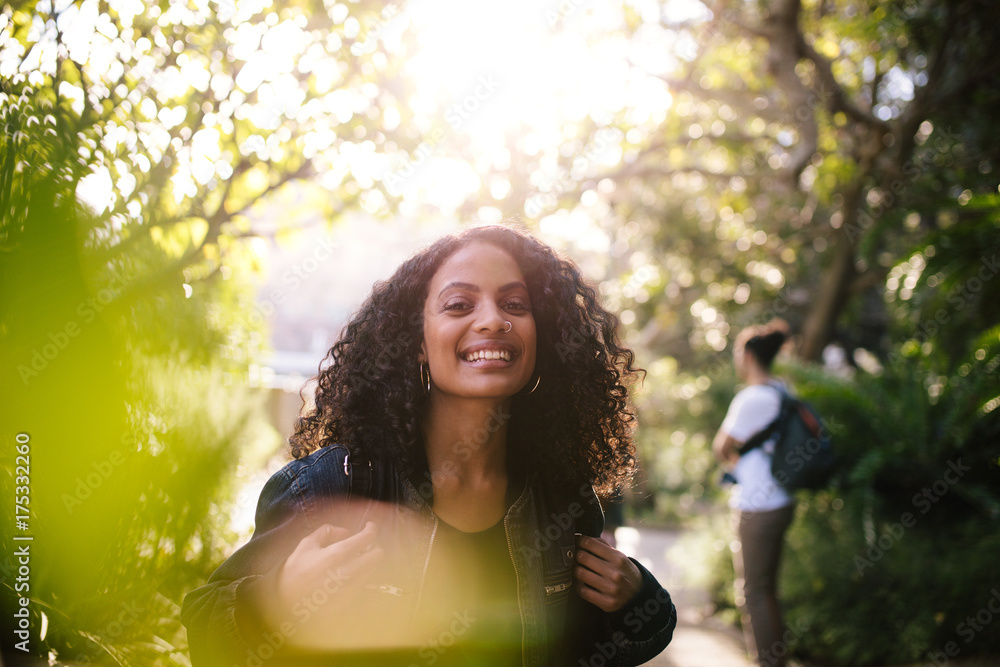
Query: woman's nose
x,y
491,319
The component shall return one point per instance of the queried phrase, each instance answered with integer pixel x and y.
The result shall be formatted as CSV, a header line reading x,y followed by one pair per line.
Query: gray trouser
x,y
760,536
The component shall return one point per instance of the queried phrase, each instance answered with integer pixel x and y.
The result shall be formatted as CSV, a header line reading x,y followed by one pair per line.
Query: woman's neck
x,y
466,439
466,446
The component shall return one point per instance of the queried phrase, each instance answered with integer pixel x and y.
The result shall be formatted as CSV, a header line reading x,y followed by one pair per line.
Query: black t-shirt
x,y
471,603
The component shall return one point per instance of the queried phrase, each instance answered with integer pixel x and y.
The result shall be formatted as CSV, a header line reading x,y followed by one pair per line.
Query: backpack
x,y
803,455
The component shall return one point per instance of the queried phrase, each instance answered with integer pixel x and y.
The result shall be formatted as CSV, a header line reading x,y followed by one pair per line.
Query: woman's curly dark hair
x,y
577,424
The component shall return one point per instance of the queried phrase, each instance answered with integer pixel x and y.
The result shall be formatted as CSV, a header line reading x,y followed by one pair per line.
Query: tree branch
x,y
222,215
865,281
784,53
832,93
632,170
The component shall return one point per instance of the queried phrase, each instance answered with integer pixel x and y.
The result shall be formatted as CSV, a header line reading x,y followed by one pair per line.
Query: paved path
x,y
699,640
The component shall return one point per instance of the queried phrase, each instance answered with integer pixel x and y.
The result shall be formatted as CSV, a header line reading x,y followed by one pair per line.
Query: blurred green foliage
x,y
124,342
884,242
136,415
888,564
137,141
904,544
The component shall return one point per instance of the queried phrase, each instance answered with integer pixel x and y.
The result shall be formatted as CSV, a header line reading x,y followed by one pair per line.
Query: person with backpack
x,y
762,508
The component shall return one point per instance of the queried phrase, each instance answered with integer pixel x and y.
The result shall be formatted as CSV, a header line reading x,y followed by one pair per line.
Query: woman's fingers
x,y
331,544
325,535
361,541
600,600
347,559
595,580
356,567
602,593
594,589
327,554
596,546
605,576
598,567
348,577
328,535
593,557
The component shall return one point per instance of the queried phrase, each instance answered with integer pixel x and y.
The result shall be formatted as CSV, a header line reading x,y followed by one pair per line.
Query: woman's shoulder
x,y
327,460
293,489
323,472
311,483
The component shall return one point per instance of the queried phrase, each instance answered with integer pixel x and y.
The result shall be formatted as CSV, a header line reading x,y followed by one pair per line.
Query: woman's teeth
x,y
485,355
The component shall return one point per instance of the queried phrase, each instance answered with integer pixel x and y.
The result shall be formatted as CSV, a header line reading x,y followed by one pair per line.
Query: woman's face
x,y
469,300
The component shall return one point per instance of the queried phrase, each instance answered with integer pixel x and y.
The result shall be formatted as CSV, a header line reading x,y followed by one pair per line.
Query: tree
x,y
805,149
137,142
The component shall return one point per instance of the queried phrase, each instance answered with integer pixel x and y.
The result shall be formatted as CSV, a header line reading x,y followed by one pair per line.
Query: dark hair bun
x,y
765,341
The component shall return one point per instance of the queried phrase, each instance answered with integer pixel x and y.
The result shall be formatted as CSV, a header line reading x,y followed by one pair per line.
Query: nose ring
x,y
509,326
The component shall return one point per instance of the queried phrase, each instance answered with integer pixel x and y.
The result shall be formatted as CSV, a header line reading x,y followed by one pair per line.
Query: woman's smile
x,y
489,355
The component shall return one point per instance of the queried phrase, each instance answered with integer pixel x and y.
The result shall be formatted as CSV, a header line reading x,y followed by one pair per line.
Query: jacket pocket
x,y
558,586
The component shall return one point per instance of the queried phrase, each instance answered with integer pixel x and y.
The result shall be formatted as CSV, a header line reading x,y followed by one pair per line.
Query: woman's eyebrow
x,y
469,287
513,285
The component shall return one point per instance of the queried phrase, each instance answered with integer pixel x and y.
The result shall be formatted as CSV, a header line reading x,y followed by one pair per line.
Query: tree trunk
x,y
818,329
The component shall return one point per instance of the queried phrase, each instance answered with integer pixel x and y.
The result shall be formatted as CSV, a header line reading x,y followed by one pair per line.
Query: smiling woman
x,y
442,506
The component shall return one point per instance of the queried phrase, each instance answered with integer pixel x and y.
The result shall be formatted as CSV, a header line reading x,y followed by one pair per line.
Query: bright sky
x,y
545,71
480,70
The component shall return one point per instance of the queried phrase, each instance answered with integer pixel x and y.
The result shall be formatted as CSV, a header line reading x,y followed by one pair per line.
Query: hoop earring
x,y
536,385
425,377
509,326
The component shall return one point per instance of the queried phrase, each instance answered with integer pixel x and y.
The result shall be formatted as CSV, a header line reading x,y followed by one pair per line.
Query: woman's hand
x,y
604,576
316,584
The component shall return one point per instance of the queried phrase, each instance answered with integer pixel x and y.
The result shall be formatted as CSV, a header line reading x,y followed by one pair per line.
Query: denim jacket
x,y
558,627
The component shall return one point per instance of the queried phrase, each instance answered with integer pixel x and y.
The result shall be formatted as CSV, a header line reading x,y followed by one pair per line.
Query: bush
x,y
135,424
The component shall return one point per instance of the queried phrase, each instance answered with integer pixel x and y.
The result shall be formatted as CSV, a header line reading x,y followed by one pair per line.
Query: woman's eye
x,y
458,305
516,304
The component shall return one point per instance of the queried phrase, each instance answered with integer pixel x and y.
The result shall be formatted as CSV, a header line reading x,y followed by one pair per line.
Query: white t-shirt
x,y
756,490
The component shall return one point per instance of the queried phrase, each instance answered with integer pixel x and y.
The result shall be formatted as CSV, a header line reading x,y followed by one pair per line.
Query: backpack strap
x,y
762,436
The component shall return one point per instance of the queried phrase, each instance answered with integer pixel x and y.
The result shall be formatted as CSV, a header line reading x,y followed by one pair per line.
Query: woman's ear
x,y
422,354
